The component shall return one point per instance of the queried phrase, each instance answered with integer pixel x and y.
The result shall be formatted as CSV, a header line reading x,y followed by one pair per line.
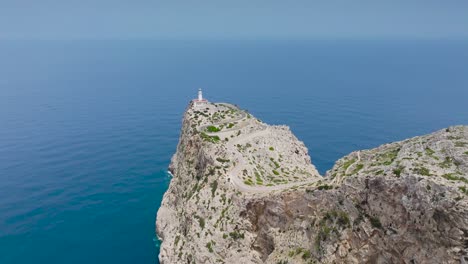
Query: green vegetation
x,y
201,221
461,144
390,156
348,163
230,125
275,172
258,179
213,129
298,251
176,240
248,182
452,177
397,171
222,160
430,153
375,222
214,186
272,148
333,221
357,169
447,163
325,187
209,245
274,162
423,171
463,189
236,235
212,139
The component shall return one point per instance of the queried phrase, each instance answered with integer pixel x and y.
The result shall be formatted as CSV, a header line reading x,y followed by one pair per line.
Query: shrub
x,y
222,160
213,139
275,172
375,222
236,235
325,187
213,129
209,246
214,186
397,171
272,148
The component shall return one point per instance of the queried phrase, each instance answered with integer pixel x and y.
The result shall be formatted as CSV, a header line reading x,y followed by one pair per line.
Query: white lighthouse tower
x,y
199,102
200,95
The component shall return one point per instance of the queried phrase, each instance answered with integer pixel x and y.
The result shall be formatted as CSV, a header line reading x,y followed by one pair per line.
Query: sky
x,y
154,19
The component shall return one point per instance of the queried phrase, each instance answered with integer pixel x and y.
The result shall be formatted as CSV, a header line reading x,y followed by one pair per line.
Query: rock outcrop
x,y
246,192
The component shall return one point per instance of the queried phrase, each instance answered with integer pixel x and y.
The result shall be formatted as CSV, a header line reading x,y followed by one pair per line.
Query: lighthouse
x,y
199,102
200,95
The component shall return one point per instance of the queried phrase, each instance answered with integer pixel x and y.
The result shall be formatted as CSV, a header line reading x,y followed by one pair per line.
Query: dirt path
x,y
240,160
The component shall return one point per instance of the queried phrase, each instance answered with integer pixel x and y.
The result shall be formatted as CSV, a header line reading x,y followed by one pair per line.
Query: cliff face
x,y
246,192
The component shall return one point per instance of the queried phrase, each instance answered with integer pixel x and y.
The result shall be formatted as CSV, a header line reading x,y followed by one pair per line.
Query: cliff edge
x,y
246,192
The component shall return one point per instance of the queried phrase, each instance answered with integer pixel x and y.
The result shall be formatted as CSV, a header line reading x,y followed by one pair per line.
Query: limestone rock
x,y
246,192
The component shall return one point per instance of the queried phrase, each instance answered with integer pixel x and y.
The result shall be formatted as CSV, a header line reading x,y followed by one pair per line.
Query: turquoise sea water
x,y
87,128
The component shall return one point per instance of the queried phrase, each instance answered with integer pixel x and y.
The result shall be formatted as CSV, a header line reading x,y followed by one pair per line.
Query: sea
x,y
88,127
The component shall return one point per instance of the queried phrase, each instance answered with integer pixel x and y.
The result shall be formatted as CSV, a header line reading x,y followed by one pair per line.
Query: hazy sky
x,y
123,19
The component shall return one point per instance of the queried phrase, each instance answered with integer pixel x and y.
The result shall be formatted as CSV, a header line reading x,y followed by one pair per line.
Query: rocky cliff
x,y
246,192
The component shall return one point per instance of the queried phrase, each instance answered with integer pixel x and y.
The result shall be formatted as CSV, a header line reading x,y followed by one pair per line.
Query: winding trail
x,y
354,163
239,159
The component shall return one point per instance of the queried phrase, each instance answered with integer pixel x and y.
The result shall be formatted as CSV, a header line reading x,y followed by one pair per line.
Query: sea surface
x,y
87,128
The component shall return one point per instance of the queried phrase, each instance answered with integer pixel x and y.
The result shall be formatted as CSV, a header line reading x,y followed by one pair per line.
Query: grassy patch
x,y
358,168
213,129
388,157
447,163
423,171
397,171
248,182
348,163
453,177
461,144
430,153
258,179
325,187
212,139
272,148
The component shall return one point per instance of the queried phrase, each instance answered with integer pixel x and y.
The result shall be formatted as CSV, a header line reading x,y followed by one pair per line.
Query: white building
x,y
200,101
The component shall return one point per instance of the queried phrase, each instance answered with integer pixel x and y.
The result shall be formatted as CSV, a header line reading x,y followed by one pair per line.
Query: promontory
x,y
243,191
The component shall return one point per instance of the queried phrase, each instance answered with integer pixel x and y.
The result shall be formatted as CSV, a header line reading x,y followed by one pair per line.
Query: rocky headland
x,y
246,192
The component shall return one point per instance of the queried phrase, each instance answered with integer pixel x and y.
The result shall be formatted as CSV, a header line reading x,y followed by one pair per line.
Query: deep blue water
x,y
87,128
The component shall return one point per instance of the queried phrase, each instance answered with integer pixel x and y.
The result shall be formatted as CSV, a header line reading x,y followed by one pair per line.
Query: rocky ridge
x,y
246,192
